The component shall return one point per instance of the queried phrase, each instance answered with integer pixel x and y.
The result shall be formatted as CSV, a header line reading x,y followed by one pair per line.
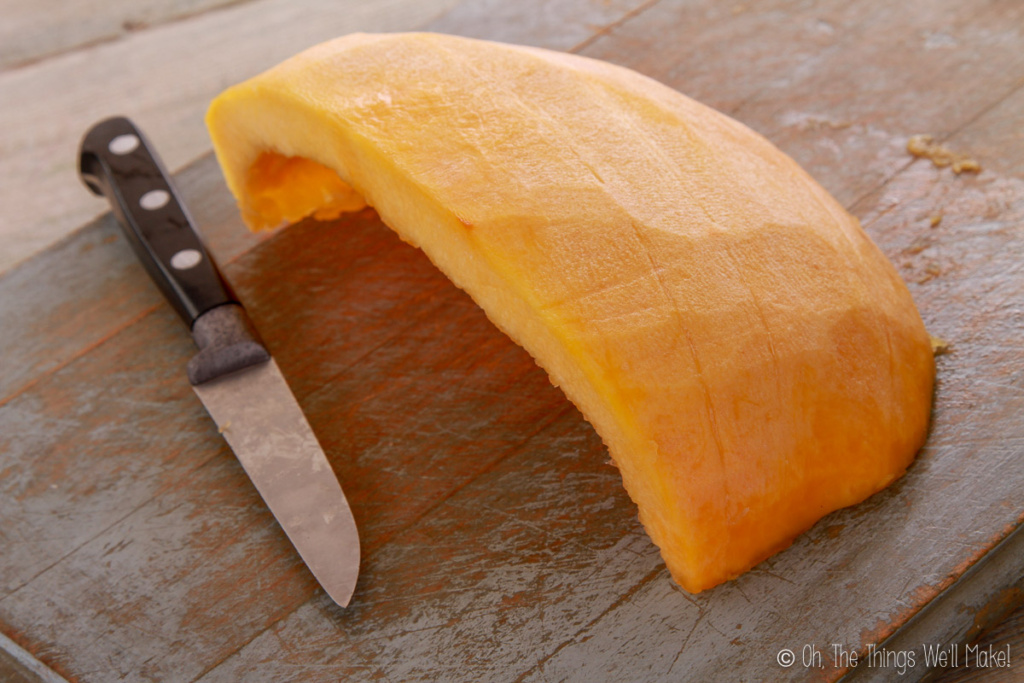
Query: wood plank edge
x,y
582,633
977,600
17,661
320,597
65,240
603,31
80,353
862,202
114,36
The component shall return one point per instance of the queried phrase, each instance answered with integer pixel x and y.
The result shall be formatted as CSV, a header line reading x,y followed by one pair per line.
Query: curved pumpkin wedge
x,y
750,358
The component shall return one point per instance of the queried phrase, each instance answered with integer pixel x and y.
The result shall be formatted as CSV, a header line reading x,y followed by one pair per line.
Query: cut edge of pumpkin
x,y
341,172
271,166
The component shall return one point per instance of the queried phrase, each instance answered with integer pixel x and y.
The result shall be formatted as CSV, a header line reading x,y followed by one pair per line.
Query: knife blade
x,y
233,373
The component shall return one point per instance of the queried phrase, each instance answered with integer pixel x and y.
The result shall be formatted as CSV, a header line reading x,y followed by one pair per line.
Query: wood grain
x,y
163,78
562,25
498,542
1006,634
35,29
785,70
18,666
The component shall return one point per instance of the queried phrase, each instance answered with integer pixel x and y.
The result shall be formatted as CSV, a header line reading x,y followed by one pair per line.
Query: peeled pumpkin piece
x,y
749,357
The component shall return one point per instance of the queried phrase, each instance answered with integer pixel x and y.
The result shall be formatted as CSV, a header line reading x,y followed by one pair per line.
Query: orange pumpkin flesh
x,y
752,361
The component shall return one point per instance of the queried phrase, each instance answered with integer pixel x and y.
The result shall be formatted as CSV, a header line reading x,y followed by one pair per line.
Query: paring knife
x,y
233,373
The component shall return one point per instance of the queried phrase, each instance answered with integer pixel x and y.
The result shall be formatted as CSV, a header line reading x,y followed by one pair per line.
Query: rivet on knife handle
x,y
233,374
116,162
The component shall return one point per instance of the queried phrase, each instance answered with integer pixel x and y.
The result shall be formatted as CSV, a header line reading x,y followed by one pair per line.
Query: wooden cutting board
x,y
498,543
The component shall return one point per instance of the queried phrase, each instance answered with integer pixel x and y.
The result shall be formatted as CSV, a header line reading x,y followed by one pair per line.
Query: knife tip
x,y
340,579
341,595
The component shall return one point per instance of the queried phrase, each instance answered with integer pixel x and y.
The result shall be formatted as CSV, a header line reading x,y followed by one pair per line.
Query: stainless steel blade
x,y
264,425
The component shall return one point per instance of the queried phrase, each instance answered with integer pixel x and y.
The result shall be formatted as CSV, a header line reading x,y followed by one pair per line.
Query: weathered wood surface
x,y
498,543
35,29
163,78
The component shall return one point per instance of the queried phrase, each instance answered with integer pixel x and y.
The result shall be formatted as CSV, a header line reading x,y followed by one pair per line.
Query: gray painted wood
x,y
163,78
19,666
35,29
499,544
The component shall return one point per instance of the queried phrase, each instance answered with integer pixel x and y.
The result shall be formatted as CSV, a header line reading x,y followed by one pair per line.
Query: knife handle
x,y
116,161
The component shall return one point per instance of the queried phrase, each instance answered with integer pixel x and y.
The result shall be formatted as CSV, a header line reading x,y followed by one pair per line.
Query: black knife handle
x,y
116,161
